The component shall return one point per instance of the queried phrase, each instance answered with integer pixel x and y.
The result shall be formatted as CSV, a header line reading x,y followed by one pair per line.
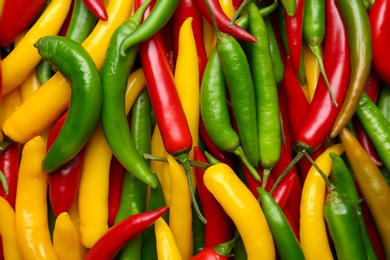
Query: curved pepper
x,y
7,231
165,241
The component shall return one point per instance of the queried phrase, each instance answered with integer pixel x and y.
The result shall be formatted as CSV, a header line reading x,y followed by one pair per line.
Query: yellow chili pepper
x,y
65,238
227,7
9,104
93,189
180,211
74,217
209,37
7,231
312,71
31,218
165,242
24,57
313,236
375,190
243,208
187,83
135,84
46,104
29,85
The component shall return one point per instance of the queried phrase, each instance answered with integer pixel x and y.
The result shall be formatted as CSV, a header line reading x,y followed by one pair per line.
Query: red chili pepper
x,y
9,165
282,191
284,114
322,112
122,232
294,25
380,32
166,33
117,174
97,8
64,182
293,224
219,227
222,251
16,17
253,184
223,20
166,103
237,3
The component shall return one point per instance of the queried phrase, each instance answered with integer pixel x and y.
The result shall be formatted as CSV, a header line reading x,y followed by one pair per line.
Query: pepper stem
x,y
266,173
241,154
197,164
5,143
328,183
4,183
183,159
238,12
226,248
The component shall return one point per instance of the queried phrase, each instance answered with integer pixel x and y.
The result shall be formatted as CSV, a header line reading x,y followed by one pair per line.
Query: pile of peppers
x,y
194,129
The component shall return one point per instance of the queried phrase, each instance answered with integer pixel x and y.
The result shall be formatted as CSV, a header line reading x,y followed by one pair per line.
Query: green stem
x,y
328,183
4,183
239,11
241,154
197,164
266,173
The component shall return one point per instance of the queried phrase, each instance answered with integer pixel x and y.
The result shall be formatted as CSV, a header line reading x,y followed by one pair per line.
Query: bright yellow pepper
x,y
29,85
209,37
135,84
312,71
313,236
65,239
243,208
227,7
180,211
9,104
93,189
46,104
24,57
165,242
31,218
74,217
7,231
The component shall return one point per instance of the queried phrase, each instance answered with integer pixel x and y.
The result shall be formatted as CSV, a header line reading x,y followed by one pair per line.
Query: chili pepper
x,y
85,101
282,191
290,6
313,236
243,208
284,118
215,114
266,94
115,72
376,126
23,58
253,184
322,113
82,21
286,243
122,232
64,182
383,101
219,227
65,238
220,251
9,166
359,38
223,20
167,37
312,71
7,231
116,178
198,230
44,71
31,221
29,85
97,8
17,17
165,241
169,112
345,186
376,192
162,11
379,25
74,216
52,99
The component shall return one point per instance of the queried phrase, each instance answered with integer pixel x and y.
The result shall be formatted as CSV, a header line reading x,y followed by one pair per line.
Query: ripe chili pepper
x,y
117,175
63,182
85,101
122,232
23,58
97,8
345,186
219,227
31,221
165,241
375,190
9,166
286,243
243,208
220,251
114,77
162,11
266,94
52,99
359,38
379,25
29,85
322,113
215,113
16,17
7,231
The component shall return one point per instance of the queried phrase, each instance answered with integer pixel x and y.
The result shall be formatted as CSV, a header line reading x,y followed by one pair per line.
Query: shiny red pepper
x,y
97,8
64,182
9,166
16,17
117,174
222,251
380,32
219,227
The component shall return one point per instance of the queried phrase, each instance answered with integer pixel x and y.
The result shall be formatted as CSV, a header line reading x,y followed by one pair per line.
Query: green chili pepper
x,y
114,75
44,71
284,237
343,181
85,102
383,102
266,93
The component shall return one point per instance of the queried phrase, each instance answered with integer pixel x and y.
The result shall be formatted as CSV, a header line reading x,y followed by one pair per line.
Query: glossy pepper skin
x,y
9,166
97,8
16,17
